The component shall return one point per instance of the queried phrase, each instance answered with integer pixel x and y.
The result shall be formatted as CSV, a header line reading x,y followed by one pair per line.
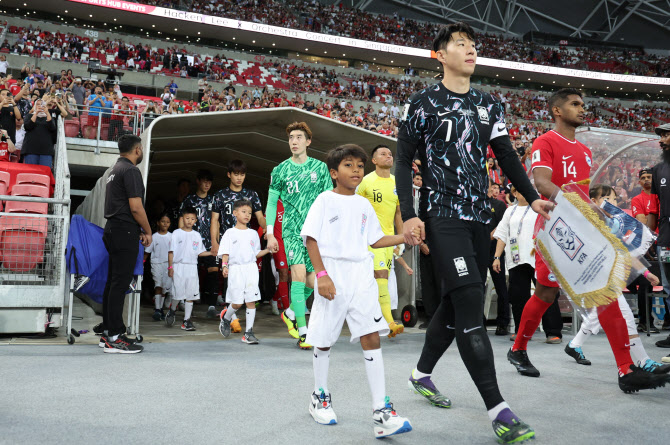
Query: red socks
x,y
614,325
530,320
282,294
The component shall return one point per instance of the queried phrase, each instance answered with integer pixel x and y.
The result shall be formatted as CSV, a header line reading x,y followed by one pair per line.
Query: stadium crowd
x,y
337,19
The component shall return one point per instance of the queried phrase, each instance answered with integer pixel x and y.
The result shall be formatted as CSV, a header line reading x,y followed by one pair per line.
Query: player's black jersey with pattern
x,y
452,132
223,205
203,221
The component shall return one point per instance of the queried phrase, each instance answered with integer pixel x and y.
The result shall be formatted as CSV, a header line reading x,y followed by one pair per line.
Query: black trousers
x,y
500,285
520,278
122,243
114,131
429,293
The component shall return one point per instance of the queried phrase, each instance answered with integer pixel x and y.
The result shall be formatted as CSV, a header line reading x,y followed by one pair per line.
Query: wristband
x,y
224,264
170,267
323,273
269,229
646,272
496,257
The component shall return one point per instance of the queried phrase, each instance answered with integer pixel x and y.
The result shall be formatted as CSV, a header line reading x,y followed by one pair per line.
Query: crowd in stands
x,y
338,19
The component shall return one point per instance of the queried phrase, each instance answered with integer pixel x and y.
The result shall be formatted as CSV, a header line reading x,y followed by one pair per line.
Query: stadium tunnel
x,y
178,146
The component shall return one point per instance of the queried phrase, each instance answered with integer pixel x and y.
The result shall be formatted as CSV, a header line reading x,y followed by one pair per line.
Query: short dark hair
x,y
599,190
374,150
183,180
189,211
560,97
128,142
242,203
204,174
338,154
302,126
446,34
162,215
237,166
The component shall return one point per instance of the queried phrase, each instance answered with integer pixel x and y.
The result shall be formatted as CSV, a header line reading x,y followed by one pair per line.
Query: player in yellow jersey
x,y
379,188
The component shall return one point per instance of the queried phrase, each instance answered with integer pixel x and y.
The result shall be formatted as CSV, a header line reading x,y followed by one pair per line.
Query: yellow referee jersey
x,y
382,195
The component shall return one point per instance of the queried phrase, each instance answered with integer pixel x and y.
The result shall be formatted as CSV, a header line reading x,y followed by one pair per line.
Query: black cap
x,y
644,171
662,128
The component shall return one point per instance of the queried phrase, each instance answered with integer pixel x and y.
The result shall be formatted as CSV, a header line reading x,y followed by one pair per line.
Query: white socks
x,y
188,308
320,362
290,313
302,330
637,351
580,338
418,374
230,313
374,368
158,301
251,315
493,412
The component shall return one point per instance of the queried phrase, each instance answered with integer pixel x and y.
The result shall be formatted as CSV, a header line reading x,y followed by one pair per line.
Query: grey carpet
x,y
228,392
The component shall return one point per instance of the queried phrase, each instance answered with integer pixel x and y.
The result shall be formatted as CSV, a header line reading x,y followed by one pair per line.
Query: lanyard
x,y
522,218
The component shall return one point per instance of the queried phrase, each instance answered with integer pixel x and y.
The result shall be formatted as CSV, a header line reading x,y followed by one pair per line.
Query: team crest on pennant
x,y
483,114
566,238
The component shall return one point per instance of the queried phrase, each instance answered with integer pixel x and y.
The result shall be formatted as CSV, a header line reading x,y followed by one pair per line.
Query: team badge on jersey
x,y
395,192
290,254
483,114
552,277
313,176
381,264
195,245
363,221
588,159
566,238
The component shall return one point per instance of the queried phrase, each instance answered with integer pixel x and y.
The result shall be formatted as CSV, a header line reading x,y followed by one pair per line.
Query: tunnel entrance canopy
x,y
178,146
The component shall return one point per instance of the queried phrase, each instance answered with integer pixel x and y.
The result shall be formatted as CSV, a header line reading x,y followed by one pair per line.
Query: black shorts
x,y
208,261
459,251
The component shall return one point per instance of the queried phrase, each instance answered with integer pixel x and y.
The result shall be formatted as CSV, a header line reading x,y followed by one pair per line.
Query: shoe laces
x,y
650,365
388,406
325,398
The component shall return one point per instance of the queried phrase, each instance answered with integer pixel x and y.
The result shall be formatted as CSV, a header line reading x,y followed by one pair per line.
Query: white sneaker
x,y
321,409
387,422
275,308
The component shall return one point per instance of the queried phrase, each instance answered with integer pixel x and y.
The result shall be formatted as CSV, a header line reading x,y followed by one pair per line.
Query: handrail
x,y
65,202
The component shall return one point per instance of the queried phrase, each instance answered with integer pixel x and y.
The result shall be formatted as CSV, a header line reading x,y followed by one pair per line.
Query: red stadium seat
x,y
72,128
30,190
33,178
40,208
22,242
4,182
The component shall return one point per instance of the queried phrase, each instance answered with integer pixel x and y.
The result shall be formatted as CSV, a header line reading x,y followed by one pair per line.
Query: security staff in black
x,y
126,226
660,186
450,126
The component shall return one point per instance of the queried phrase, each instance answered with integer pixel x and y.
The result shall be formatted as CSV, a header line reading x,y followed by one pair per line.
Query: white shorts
x,y
592,323
159,271
243,284
393,287
185,283
356,301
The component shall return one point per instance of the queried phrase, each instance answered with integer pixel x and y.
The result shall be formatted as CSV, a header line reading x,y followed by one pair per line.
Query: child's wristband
x,y
646,272
323,273
169,267
224,264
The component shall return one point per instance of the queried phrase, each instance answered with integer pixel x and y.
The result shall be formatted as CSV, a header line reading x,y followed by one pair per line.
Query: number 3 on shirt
x,y
292,187
569,169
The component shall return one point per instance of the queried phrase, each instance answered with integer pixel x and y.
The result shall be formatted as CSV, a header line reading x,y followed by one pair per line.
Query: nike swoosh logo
x,y
527,336
442,114
369,359
471,329
377,319
315,356
567,157
501,129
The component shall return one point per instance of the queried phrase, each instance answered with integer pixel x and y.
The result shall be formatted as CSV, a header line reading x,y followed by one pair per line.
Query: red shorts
x,y
544,276
92,121
280,256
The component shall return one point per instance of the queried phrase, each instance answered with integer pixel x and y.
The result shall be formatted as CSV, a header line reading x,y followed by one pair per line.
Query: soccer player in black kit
x,y
450,126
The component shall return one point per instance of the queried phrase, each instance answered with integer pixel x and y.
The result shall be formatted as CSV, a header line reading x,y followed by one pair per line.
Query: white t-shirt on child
x,y
186,246
241,246
159,247
343,226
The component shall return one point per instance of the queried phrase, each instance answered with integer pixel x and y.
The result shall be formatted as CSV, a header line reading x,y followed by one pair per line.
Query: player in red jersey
x,y
644,203
281,295
557,159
